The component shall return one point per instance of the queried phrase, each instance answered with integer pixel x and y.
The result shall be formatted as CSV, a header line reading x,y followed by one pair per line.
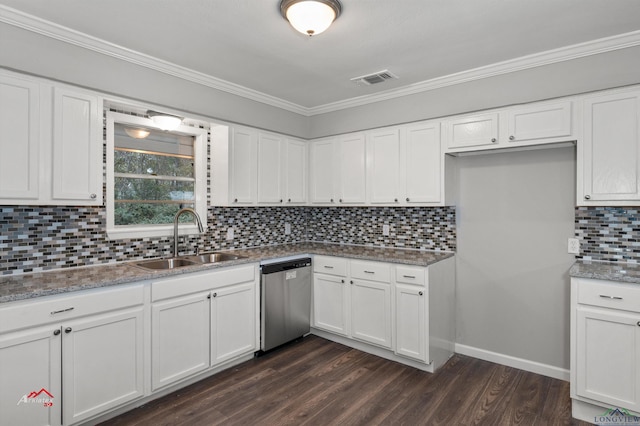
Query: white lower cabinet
x,y
201,320
400,312
67,370
605,347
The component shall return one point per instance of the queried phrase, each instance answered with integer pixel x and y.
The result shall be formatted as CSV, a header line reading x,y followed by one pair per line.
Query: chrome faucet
x,y
175,226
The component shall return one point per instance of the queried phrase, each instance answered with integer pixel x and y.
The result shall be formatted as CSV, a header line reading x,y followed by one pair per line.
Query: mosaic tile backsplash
x,y
40,238
609,233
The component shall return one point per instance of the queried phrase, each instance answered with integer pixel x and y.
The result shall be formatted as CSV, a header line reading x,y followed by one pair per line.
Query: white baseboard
x,y
511,361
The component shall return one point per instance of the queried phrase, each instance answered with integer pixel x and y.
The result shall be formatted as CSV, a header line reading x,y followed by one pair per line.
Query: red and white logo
x,y
42,396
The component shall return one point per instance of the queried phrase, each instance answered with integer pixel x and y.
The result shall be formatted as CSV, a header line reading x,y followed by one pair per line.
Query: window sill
x,y
125,232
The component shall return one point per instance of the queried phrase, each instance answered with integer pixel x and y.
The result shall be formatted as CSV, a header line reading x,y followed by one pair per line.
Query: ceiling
x,y
247,42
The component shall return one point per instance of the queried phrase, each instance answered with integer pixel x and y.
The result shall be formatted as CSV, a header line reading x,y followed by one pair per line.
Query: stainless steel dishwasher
x,y
285,302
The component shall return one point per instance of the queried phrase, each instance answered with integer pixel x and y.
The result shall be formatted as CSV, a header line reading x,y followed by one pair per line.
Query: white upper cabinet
x,y
295,171
77,147
521,125
352,182
243,165
383,166
609,157
19,139
323,169
479,130
270,163
50,143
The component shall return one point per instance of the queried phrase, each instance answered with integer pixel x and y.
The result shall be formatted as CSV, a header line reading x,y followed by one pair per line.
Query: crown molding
x,y
49,29
58,32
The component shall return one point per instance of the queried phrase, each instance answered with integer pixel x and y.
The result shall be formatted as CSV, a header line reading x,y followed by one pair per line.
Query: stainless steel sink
x,y
171,263
179,262
213,257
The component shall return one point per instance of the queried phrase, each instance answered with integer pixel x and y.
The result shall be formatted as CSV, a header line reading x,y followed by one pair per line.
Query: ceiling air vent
x,y
375,78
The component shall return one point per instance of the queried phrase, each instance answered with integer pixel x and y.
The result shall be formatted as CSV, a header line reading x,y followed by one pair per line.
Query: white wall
x,y
514,216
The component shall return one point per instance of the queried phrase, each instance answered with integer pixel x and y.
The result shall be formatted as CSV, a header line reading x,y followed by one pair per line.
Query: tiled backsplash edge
x,y
39,238
608,233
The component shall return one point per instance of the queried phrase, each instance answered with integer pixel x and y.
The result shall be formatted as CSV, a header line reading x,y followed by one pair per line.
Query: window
x,y
149,178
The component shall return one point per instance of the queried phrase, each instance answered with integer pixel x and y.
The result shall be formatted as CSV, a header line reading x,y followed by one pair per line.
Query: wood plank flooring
x,y
318,382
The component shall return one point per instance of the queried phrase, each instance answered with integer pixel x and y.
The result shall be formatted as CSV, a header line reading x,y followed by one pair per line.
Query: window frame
x,y
200,175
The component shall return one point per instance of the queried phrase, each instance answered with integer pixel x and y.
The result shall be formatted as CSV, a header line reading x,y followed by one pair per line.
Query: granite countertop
x,y
28,286
611,271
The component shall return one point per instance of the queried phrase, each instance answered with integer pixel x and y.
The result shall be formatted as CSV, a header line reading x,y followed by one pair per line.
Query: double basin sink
x,y
190,260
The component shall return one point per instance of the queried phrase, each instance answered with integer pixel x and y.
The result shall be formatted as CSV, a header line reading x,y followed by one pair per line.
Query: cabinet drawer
x,y
372,271
330,265
193,283
64,307
410,275
609,295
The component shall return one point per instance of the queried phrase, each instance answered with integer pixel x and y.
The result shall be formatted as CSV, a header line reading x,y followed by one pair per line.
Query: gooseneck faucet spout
x,y
175,226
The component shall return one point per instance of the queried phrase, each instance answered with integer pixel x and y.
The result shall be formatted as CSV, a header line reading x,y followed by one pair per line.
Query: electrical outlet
x,y
385,229
229,234
287,229
573,246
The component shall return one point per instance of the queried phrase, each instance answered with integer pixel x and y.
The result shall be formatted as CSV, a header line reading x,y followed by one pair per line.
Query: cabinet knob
x,y
342,281
420,293
235,200
408,199
587,197
340,200
638,323
331,200
93,196
351,282
511,138
493,140
395,200
215,294
280,200
56,332
289,200
67,330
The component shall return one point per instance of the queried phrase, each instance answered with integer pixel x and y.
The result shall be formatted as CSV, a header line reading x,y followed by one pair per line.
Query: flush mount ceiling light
x,y
164,121
136,133
310,17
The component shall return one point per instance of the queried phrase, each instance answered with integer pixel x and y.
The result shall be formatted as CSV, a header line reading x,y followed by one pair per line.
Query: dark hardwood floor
x,y
318,382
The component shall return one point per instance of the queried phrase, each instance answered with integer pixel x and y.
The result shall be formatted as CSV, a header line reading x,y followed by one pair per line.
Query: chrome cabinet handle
x,y
587,197
67,330
369,272
638,323
56,332
408,199
215,294
604,296
351,282
331,200
511,137
409,276
342,281
395,200
235,200
493,140
93,196
328,267
62,310
420,293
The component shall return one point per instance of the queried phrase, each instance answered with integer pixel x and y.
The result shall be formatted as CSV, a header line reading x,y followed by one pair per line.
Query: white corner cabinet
x,y
605,347
609,155
199,321
85,350
50,143
512,127
399,312
256,168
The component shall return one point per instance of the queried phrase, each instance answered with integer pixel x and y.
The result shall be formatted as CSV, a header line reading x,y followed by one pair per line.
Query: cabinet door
x,y
330,304
323,168
233,321
30,377
608,357
411,332
471,131
103,363
383,158
611,156
423,172
180,332
295,166
371,312
269,169
243,159
77,148
352,176
19,139
539,121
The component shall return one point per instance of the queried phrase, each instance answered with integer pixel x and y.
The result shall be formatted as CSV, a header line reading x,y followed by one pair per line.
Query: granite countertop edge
x,y
48,283
608,271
